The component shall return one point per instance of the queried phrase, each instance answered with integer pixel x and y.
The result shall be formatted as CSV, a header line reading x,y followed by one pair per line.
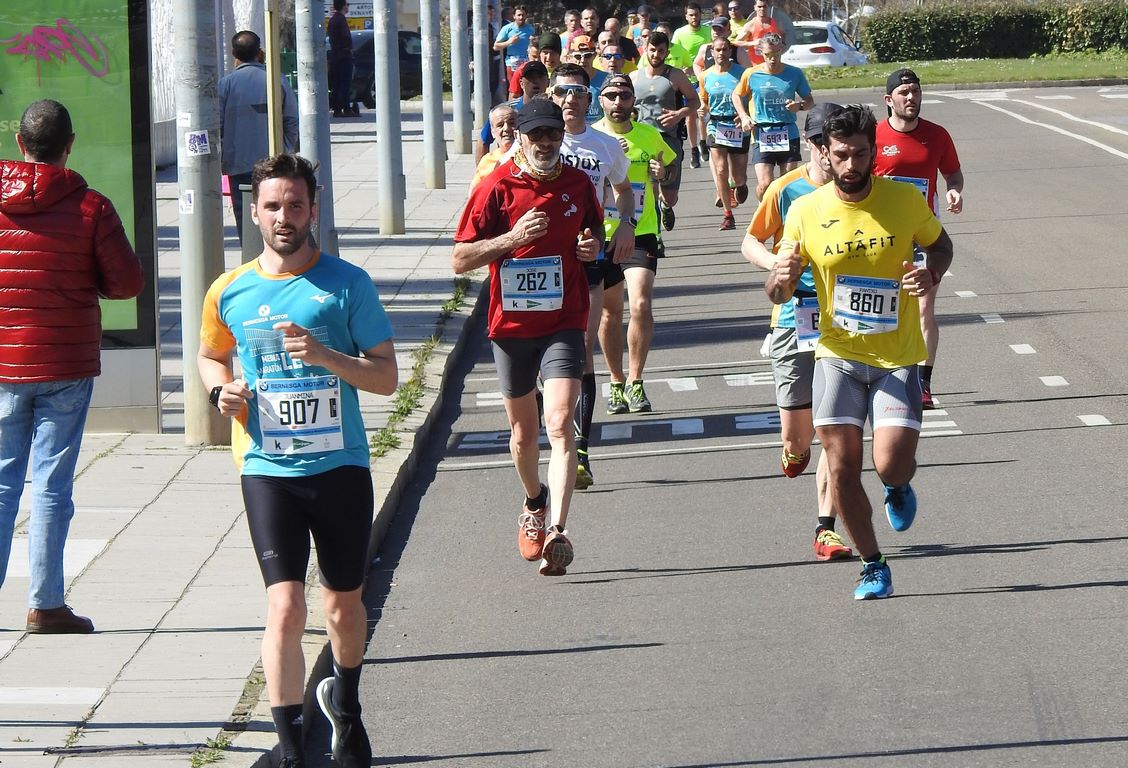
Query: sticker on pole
x,y
188,202
196,143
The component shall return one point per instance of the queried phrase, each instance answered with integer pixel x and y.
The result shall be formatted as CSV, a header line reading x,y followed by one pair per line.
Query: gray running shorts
x,y
518,361
849,392
673,181
794,371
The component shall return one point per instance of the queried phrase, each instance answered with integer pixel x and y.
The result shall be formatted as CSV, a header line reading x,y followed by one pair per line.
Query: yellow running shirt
x,y
856,252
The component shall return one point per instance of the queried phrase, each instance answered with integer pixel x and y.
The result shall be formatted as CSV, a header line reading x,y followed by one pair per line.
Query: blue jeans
x,y
43,422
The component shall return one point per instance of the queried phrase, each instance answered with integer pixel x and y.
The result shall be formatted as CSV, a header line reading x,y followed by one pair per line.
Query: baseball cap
x,y
719,21
618,81
899,78
533,70
539,113
813,127
581,43
549,41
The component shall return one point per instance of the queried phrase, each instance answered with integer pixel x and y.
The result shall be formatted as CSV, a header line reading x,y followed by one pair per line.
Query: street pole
x,y
482,45
434,143
201,217
389,135
459,72
273,80
313,112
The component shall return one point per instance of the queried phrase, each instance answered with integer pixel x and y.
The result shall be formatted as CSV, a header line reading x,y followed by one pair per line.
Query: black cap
x,y
813,127
533,70
618,81
899,78
719,21
539,113
550,41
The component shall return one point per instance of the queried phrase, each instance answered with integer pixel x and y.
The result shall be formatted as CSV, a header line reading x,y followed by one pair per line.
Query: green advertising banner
x,y
92,56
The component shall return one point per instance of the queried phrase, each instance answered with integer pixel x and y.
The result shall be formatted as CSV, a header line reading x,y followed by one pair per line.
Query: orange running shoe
x,y
793,465
829,546
558,553
530,532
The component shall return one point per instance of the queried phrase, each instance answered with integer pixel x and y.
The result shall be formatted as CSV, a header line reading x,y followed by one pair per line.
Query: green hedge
x,y
996,30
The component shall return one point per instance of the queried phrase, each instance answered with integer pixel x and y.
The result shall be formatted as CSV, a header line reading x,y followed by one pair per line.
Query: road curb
x,y
391,476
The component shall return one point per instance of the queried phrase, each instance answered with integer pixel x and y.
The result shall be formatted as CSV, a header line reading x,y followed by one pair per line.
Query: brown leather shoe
x,y
58,621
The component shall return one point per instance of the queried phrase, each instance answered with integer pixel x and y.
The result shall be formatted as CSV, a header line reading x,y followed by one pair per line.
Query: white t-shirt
x,y
598,155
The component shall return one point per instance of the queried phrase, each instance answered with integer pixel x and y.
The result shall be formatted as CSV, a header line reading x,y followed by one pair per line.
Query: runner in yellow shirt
x,y
857,234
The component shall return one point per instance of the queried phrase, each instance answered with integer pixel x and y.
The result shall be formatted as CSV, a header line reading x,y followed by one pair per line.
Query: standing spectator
x,y
514,38
62,246
340,59
243,122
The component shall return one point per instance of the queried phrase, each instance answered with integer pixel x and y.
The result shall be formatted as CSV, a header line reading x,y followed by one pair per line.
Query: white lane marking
x,y
1054,381
1075,118
45,696
947,273
1057,97
678,427
935,412
662,368
937,424
1055,129
749,379
978,95
683,384
966,294
933,101
451,466
1114,95
992,317
942,433
1094,420
1023,349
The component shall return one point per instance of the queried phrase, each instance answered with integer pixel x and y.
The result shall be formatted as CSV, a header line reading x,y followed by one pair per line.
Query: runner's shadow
x,y
909,752
412,759
1019,588
509,654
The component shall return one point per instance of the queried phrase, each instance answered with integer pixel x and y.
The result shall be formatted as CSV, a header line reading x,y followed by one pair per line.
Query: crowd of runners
x,y
569,210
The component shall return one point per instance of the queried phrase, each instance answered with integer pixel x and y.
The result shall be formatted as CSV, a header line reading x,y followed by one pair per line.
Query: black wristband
x,y
213,396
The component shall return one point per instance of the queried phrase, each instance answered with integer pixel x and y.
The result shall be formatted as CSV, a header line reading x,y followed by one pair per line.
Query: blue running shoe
x,y
900,506
876,581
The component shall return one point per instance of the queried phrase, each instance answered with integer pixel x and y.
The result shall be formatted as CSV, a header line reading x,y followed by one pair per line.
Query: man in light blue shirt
x,y
514,39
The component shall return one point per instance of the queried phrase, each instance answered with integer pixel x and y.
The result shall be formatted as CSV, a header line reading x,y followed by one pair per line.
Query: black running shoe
x,y
668,218
349,743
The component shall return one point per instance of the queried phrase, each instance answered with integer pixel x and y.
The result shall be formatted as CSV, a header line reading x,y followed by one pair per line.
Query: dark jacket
x,y
62,246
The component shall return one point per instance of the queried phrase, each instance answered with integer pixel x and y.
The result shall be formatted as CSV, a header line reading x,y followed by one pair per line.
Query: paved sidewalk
x,y
158,554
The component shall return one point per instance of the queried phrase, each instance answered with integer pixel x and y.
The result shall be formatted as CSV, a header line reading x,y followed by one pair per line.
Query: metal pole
x,y
459,71
201,218
482,45
389,135
273,80
434,143
313,111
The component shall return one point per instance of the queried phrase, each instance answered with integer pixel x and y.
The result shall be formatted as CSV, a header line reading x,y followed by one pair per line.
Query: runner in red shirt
x,y
534,222
912,149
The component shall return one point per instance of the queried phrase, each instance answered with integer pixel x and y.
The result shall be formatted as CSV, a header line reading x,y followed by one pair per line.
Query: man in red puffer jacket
x,y
62,246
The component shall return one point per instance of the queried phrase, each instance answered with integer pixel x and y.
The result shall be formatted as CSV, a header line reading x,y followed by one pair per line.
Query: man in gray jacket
x,y
243,117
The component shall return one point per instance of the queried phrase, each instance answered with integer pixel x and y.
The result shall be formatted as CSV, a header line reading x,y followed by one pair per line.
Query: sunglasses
x,y
562,90
545,134
612,55
617,95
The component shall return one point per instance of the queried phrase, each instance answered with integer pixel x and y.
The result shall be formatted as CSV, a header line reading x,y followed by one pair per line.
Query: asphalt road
x,y
695,627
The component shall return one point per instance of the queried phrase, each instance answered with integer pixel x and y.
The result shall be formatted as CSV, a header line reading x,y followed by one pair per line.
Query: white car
x,y
821,44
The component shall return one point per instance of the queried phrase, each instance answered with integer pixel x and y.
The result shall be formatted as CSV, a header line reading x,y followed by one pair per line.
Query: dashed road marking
x,y
992,317
1056,97
1054,381
1114,95
1023,349
966,294
1094,420
749,379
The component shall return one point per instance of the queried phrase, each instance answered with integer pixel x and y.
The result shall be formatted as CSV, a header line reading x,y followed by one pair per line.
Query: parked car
x,y
364,66
822,44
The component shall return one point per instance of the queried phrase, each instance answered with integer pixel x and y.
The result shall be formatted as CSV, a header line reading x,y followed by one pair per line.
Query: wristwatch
x,y
213,396
633,222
